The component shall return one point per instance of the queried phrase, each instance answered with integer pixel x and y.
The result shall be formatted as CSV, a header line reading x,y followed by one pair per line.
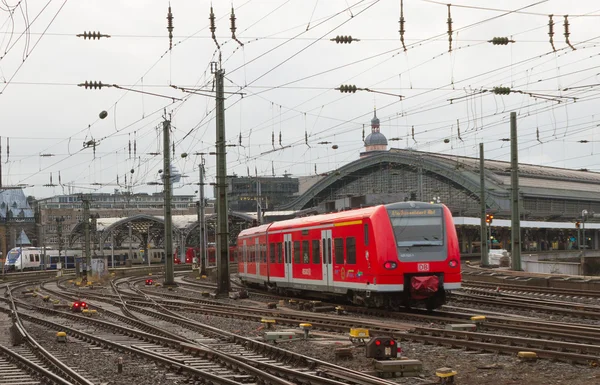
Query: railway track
x,y
257,358
524,289
583,348
26,353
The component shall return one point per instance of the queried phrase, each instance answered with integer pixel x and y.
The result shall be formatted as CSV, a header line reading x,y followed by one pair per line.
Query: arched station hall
x,y
552,199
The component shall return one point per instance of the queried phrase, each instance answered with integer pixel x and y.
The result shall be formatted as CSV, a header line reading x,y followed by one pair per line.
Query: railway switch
x,y
279,336
382,348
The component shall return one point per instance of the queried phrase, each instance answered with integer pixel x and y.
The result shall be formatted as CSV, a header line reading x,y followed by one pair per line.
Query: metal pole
x,y
169,268
86,227
202,244
485,258
130,248
112,249
146,245
258,204
222,254
21,248
515,231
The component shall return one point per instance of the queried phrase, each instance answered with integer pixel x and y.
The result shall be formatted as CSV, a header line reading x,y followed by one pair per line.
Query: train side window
x,y
316,253
305,252
339,250
296,252
272,252
279,252
351,250
37,257
30,257
366,227
264,253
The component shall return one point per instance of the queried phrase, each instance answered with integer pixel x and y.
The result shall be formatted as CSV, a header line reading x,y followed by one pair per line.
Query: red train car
x,y
394,255
192,252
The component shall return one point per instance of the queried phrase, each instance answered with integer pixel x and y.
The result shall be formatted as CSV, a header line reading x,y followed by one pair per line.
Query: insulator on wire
x,y
273,138
316,169
363,133
129,146
413,133
500,41
347,88
306,138
551,31
213,27
280,139
93,85
458,129
537,134
233,27
272,168
449,29
501,90
341,39
134,145
402,24
173,147
584,141
566,24
170,27
92,35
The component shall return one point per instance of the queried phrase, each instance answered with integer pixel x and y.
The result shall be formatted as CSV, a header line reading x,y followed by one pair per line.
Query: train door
x,y
287,252
327,265
257,259
245,257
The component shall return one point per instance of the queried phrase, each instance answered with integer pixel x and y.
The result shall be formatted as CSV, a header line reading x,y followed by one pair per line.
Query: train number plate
x,y
423,266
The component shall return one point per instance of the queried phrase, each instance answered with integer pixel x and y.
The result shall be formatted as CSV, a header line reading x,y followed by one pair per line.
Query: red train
x,y
191,252
394,255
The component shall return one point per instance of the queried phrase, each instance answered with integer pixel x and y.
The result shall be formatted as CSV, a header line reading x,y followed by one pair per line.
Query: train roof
x,y
325,218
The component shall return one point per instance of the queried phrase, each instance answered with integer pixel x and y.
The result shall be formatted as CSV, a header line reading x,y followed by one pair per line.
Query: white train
x,y
33,258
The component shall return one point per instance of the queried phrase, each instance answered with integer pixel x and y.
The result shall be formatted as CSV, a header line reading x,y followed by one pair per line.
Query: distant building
x,y
61,213
243,192
16,216
375,142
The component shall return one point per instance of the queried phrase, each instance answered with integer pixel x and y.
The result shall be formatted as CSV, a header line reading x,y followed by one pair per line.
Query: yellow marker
x,y
479,318
527,355
150,274
359,333
61,334
349,223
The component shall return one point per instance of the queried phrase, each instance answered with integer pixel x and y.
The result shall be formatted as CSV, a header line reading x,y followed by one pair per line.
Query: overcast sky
x,y
287,70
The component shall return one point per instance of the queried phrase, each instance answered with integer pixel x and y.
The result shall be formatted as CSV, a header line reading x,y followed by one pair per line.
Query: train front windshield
x,y
13,255
419,233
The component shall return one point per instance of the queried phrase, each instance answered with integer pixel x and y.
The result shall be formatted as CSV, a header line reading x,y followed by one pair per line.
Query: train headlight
x,y
390,265
453,263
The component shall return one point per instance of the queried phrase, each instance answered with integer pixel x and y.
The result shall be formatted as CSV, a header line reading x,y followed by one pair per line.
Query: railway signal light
x,y
489,218
382,348
577,224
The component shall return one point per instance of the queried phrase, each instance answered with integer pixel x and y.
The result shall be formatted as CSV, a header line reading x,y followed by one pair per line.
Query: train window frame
x,y
31,258
316,252
296,252
339,256
272,252
263,249
37,257
351,251
305,252
279,252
